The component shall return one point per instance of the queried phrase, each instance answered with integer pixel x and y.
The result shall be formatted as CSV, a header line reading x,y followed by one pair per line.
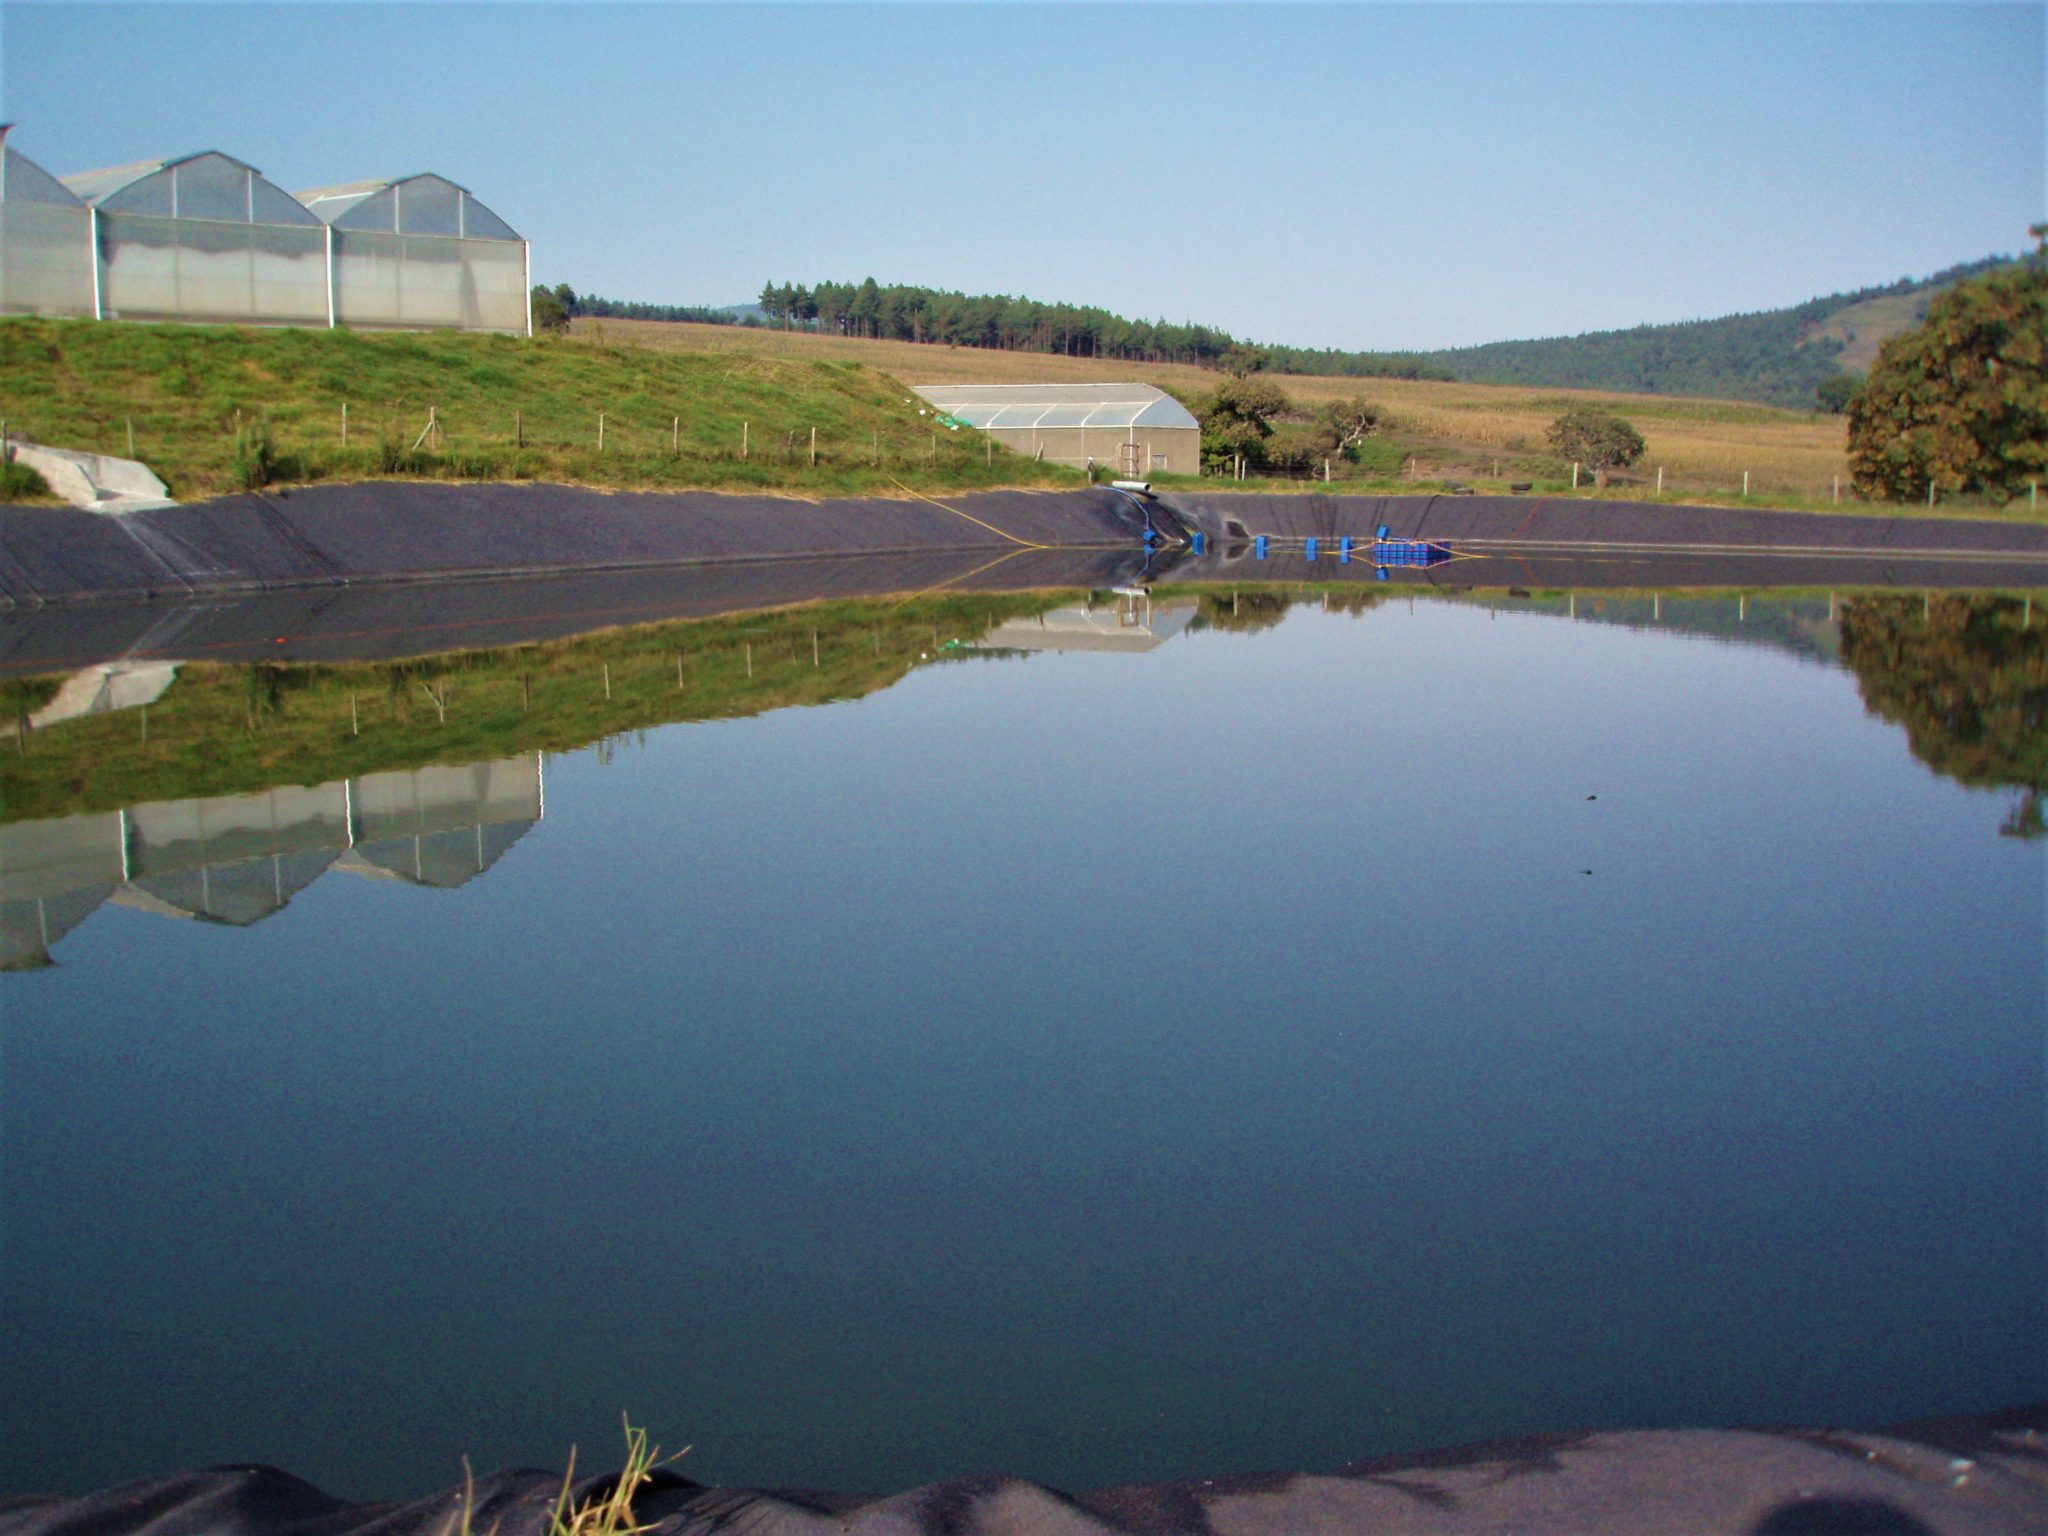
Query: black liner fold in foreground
x,y
1985,1476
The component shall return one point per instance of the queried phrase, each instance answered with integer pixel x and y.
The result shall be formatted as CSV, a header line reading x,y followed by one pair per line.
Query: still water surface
x,y
1276,1048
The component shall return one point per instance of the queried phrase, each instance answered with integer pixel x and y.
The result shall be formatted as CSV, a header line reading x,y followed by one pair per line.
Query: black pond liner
x,y
1982,1476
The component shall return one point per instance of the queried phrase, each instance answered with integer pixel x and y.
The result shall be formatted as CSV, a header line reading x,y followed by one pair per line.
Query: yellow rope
x,y
991,527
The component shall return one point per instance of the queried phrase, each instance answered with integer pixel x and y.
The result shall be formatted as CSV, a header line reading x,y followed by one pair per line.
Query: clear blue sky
x,y
1358,176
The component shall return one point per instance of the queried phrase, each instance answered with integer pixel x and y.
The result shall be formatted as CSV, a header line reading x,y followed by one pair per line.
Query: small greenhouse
x,y
1133,430
422,251
202,237
45,233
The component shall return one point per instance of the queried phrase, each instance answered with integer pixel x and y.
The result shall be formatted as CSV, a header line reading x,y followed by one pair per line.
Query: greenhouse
x,y
45,232
1132,430
202,237
421,251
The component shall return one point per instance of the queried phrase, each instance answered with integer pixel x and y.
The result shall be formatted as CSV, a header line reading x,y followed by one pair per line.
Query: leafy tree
x,y
549,312
1961,404
1341,425
1833,393
1596,440
1238,418
1241,361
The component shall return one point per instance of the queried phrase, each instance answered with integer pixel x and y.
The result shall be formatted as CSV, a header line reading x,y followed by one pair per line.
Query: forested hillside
x,y
1776,356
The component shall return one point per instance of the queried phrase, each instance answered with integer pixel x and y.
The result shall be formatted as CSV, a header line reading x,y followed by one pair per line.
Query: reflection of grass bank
x,y
215,408
222,730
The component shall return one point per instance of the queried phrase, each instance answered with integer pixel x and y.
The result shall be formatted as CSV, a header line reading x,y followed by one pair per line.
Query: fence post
x,y
743,454
1575,474
344,423
518,429
1660,479
1838,488
675,437
1745,482
814,447
600,431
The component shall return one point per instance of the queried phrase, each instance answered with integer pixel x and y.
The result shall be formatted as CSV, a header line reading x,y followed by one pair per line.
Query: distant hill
x,y
1775,356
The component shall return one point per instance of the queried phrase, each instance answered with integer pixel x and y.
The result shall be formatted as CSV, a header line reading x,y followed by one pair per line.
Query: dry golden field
x,y
1477,432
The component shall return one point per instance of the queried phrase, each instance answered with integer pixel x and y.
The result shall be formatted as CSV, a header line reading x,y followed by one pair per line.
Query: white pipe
x,y
330,277
526,253
93,236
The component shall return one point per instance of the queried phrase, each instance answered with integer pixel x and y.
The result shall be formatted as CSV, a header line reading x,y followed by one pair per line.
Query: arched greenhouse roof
x,y
420,204
994,407
22,180
205,185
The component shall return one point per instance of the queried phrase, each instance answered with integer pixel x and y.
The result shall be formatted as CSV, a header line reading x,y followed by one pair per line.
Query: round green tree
x,y
1596,440
1961,404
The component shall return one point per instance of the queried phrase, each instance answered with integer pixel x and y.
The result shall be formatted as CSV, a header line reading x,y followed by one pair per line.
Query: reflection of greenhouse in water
x,y
237,859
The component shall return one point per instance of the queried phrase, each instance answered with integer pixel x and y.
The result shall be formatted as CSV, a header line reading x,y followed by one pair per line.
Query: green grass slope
x,y
1777,356
214,409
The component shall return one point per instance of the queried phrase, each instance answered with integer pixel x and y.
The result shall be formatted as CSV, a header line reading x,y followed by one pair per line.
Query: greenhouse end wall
x,y
1158,450
410,282
43,265
154,268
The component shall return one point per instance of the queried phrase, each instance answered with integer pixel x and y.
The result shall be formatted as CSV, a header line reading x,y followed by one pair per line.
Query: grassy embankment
x,y
1487,436
233,729
201,399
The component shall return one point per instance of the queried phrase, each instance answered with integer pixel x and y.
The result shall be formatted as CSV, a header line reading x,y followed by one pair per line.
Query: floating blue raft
x,y
1388,550
1415,552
